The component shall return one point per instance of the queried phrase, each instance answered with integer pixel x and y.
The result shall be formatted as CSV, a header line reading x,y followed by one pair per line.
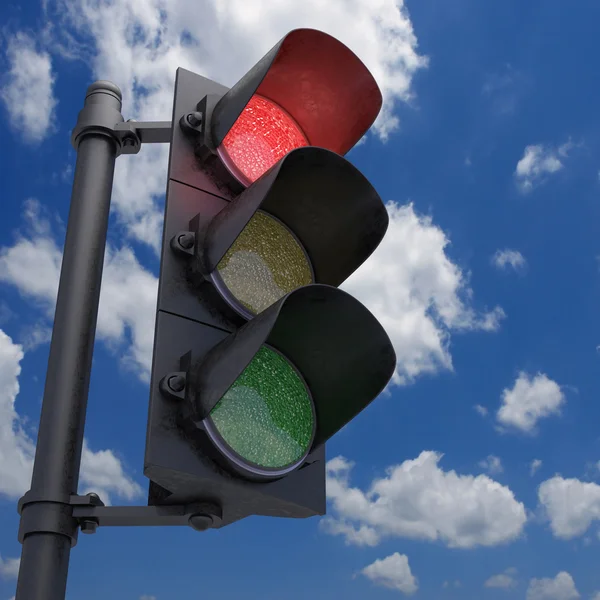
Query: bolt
x,y
93,495
176,383
89,526
194,119
186,240
128,141
200,522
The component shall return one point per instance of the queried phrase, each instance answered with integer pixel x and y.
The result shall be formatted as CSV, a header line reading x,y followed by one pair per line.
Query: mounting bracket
x,y
89,513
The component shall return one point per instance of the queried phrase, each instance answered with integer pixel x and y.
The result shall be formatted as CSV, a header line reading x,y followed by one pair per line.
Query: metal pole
x,y
48,529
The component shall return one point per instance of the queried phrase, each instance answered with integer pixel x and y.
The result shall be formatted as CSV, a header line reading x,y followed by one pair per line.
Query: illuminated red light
x,y
262,135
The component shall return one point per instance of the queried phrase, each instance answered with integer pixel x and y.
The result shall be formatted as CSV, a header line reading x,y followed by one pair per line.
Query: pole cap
x,y
105,87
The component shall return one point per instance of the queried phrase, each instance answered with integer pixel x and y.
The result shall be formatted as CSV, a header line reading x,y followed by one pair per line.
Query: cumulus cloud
x,y
538,162
394,573
570,505
418,500
28,89
33,264
505,580
481,410
536,463
16,447
9,567
531,398
492,464
101,471
234,36
418,294
562,587
503,259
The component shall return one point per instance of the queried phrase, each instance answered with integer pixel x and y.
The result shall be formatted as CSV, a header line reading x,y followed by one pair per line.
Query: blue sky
x,y
488,283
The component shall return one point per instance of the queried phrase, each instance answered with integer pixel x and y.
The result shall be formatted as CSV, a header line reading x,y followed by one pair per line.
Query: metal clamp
x,y
66,515
129,135
51,514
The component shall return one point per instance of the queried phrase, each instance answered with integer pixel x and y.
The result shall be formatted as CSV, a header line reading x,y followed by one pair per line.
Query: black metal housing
x,y
178,459
339,347
322,198
316,79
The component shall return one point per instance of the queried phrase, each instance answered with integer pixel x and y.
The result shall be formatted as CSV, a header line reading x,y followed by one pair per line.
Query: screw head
x,y
176,383
128,141
200,522
186,240
88,526
194,119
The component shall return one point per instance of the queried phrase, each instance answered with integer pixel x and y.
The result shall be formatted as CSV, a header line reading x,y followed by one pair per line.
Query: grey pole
x,y
48,529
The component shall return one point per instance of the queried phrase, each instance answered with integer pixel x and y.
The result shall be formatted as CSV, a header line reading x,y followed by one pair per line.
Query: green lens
x,y
264,264
266,416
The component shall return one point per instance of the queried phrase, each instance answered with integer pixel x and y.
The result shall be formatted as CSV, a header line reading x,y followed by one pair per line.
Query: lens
x,y
261,136
265,263
265,422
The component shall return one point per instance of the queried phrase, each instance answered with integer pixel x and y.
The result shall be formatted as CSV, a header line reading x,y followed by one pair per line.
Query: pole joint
x,y
45,514
100,117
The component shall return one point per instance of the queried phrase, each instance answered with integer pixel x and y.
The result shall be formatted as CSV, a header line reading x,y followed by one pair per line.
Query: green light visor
x,y
265,423
263,264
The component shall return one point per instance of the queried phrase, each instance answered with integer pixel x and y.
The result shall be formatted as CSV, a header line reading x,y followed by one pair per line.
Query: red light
x,y
261,136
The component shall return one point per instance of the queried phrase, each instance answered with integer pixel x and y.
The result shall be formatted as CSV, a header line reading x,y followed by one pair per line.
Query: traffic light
x,y
259,358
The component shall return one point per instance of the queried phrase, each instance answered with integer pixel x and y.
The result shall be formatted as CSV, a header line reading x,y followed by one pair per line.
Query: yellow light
x,y
265,263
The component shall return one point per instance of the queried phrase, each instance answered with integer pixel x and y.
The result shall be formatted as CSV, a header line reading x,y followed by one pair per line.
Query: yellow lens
x,y
265,263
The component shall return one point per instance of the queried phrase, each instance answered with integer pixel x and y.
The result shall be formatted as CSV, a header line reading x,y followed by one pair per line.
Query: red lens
x,y
262,135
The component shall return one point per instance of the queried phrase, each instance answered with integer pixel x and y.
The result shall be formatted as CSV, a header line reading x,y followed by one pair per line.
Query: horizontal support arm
x,y
93,514
148,132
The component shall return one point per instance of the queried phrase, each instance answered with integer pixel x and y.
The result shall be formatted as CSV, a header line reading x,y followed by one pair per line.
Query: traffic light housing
x,y
258,358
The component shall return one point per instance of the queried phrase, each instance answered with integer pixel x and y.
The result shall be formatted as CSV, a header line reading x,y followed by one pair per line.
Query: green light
x,y
266,416
264,264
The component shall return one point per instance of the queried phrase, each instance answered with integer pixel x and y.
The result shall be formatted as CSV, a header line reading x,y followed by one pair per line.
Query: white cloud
x,y
503,580
16,448
530,399
536,463
448,584
32,337
418,500
234,37
355,536
101,471
33,263
596,596
482,410
394,573
417,293
9,567
571,505
504,258
539,161
27,89
492,464
562,587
